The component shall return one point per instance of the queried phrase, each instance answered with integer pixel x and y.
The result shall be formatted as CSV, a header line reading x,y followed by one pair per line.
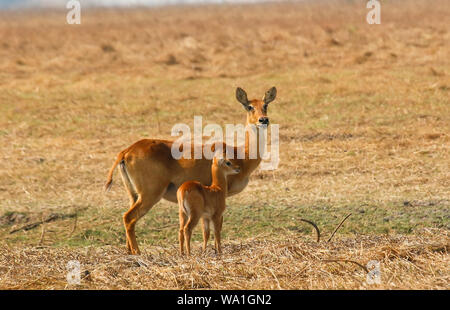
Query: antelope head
x,y
226,166
256,109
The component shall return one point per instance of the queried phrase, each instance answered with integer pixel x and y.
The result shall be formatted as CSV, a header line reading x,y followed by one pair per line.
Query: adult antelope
x,y
149,172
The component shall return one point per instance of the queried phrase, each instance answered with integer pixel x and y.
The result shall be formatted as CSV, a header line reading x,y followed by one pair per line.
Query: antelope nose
x,y
264,120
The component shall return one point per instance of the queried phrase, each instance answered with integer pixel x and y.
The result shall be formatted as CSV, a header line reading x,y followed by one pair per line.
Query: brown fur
x,y
197,201
149,171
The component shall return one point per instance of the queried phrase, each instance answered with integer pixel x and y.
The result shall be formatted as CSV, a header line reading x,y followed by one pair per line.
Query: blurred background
x,y
20,4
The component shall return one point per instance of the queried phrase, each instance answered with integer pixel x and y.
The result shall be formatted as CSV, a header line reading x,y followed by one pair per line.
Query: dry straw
x,y
414,262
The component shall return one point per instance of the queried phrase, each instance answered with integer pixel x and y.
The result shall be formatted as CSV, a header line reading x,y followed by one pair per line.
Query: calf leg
x,y
217,230
188,228
183,219
206,232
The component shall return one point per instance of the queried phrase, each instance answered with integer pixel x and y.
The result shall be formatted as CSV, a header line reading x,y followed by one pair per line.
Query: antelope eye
x,y
250,108
228,163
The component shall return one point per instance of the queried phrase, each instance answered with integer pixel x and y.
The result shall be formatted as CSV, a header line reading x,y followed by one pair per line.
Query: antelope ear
x,y
270,96
241,96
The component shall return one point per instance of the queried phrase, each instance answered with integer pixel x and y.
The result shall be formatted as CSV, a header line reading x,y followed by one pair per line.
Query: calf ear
x,y
270,96
241,96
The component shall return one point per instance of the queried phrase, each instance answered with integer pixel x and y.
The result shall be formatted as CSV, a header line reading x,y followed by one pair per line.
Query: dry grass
x,y
364,128
258,263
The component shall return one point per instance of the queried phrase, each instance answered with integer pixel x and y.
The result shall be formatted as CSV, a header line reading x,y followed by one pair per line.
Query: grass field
x,y
364,115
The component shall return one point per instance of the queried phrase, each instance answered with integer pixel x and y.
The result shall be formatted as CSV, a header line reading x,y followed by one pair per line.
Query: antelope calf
x,y
197,201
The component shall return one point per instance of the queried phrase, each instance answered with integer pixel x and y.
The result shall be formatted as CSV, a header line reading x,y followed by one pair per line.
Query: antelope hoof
x,y
134,252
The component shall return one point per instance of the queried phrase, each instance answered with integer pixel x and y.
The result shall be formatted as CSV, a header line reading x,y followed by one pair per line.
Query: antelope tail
x,y
111,171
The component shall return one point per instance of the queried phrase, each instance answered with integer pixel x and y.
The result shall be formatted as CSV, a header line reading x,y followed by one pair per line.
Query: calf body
x,y
197,201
